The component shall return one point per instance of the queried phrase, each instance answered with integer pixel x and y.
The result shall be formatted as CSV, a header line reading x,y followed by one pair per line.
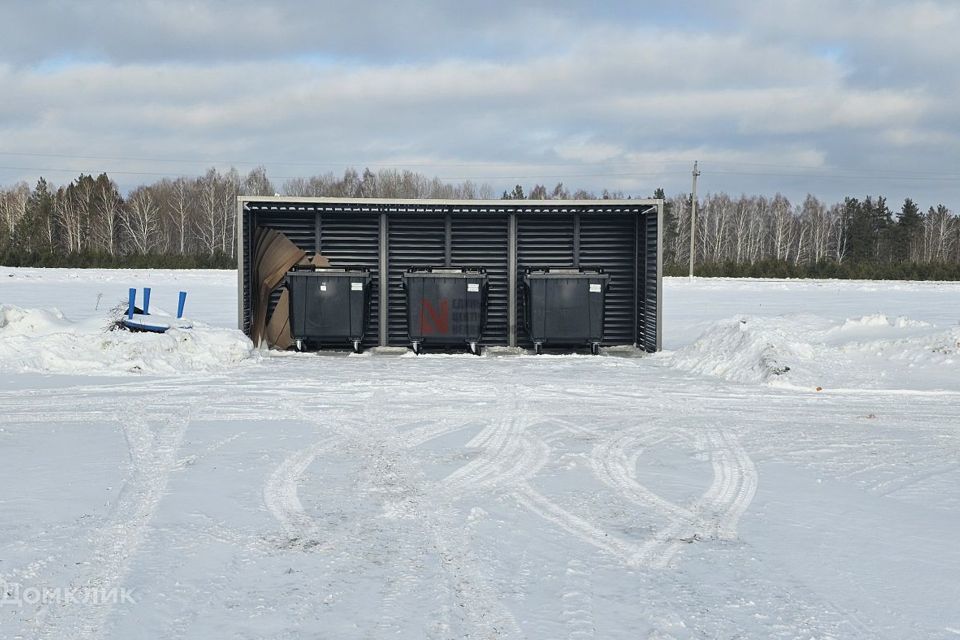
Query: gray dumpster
x,y
328,307
446,307
564,307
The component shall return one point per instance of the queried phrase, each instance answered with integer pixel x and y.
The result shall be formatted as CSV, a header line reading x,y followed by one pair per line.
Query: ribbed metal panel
x,y
620,237
249,223
300,228
648,300
609,242
352,241
414,241
543,241
481,242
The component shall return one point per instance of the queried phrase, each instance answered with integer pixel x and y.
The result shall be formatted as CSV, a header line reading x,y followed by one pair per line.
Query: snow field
x,y
704,492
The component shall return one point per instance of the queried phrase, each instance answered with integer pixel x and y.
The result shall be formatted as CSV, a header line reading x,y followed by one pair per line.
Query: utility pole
x,y
693,218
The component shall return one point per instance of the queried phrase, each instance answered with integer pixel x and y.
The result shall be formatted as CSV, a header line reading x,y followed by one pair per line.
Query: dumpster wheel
x,y
356,346
475,348
595,348
538,348
416,347
299,345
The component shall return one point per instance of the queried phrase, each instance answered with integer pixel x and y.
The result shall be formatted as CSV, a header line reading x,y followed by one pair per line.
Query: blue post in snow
x,y
132,301
146,301
181,303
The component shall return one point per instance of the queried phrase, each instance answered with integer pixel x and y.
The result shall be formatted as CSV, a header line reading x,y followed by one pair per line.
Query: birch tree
x,y
107,204
141,221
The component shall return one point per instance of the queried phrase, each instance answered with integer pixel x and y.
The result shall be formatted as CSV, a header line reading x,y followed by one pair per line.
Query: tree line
x,y
859,238
191,222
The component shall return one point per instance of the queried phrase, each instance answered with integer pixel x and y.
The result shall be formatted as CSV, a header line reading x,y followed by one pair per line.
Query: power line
x,y
665,161
945,178
843,176
527,177
564,176
819,168
422,163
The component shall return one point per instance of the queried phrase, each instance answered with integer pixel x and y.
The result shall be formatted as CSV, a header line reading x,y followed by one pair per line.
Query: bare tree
x,y
209,223
180,207
937,233
107,203
680,206
229,191
839,224
69,217
13,208
257,183
782,227
814,215
141,221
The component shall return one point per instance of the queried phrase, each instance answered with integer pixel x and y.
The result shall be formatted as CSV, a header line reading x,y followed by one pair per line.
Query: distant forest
x,y
191,222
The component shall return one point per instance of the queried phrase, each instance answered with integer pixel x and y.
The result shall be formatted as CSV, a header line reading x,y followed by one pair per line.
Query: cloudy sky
x,y
824,96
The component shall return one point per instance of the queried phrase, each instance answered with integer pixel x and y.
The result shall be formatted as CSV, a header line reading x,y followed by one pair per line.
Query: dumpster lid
x,y
566,273
306,270
445,272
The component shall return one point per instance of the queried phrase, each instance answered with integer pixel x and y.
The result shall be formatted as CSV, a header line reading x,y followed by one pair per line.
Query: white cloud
x,y
580,95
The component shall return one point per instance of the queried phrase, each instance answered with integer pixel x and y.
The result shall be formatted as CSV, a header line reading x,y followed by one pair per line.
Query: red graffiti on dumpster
x,y
434,321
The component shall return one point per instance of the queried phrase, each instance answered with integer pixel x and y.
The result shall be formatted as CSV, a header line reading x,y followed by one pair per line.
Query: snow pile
x,y
46,341
745,349
879,320
810,351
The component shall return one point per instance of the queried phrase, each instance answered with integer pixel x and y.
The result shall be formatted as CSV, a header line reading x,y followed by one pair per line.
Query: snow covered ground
x,y
186,486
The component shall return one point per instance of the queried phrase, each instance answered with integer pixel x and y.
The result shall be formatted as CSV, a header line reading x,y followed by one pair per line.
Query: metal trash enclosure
x,y
505,237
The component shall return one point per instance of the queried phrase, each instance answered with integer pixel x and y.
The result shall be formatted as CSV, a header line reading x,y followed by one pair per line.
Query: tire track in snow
x,y
281,494
573,524
440,534
479,601
153,446
496,441
510,458
716,514
281,497
578,601
611,465
509,455
747,480
421,435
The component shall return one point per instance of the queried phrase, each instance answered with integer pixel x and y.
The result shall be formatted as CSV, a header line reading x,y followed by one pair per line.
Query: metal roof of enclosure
x,y
389,236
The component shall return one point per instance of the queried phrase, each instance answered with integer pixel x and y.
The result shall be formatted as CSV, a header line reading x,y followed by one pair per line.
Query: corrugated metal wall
x,y
481,242
620,240
353,242
648,301
246,282
610,242
414,241
543,241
